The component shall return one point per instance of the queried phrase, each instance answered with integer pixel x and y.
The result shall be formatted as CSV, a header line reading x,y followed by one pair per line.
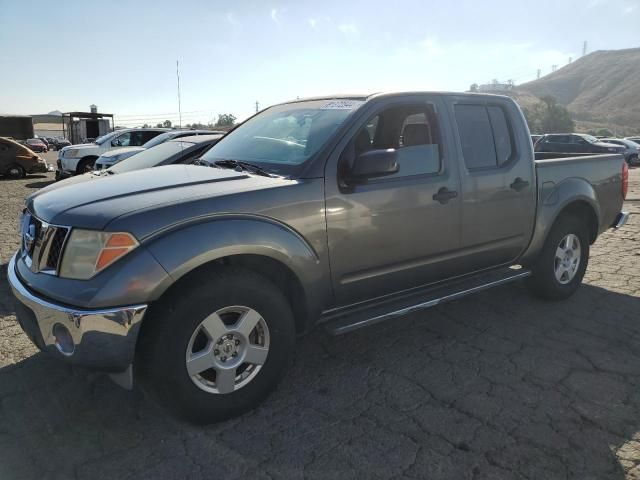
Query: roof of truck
x,y
369,96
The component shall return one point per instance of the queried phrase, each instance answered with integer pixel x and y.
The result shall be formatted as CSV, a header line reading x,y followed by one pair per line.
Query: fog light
x,y
63,339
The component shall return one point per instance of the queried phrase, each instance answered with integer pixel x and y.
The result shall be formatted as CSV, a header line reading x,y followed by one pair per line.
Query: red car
x,y
37,145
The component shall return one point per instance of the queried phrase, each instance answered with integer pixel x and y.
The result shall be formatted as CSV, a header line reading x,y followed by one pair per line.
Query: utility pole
x,y
179,105
570,60
257,106
538,76
584,48
554,68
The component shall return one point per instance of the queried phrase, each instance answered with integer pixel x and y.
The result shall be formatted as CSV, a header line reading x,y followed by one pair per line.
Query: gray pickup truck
x,y
195,280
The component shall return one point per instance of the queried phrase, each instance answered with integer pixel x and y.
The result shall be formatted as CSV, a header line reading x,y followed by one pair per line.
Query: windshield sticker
x,y
341,105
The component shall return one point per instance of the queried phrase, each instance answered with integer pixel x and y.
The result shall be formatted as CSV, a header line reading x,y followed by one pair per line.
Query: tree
x,y
226,120
159,125
167,124
603,132
146,125
547,116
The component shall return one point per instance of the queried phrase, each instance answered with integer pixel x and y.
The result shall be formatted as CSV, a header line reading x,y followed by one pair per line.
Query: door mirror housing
x,y
374,163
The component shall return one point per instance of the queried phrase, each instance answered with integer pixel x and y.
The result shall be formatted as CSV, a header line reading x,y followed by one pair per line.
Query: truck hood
x,y
92,203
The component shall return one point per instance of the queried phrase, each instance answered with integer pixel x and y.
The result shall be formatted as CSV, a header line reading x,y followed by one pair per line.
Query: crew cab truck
x,y
344,211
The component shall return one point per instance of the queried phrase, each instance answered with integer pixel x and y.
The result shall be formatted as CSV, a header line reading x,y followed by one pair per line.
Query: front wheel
x,y
218,347
558,271
16,171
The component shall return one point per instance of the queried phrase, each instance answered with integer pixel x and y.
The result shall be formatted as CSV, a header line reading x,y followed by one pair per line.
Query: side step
x,y
352,319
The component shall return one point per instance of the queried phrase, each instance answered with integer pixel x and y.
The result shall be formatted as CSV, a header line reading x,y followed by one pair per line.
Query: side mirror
x,y
374,163
116,143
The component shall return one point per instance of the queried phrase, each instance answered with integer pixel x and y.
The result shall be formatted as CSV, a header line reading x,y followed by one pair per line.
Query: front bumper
x,y
39,168
102,339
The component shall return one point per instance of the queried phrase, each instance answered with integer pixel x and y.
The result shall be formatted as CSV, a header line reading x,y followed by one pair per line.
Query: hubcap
x,y
14,172
228,349
567,259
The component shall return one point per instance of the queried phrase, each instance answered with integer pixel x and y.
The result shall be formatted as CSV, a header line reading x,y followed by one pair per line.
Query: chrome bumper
x,y
621,219
102,339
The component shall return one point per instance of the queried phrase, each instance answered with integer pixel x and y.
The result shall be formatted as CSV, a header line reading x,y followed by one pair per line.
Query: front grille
x,y
42,244
55,250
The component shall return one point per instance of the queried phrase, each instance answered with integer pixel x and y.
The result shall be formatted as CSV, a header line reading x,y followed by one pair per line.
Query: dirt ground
x,y
499,385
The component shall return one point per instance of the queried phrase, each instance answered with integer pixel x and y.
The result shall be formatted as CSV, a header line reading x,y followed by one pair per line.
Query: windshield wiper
x,y
239,166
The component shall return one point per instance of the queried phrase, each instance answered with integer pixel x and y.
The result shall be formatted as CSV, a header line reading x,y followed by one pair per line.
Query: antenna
x,y
554,68
179,105
584,48
257,106
539,71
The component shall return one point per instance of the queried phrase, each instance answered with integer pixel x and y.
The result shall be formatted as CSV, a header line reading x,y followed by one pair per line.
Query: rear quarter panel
x,y
595,180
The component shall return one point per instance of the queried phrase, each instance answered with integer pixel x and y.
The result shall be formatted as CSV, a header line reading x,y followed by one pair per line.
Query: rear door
x,y
497,178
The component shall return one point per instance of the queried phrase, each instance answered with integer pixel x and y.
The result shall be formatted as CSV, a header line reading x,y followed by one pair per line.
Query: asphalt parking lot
x,y
495,386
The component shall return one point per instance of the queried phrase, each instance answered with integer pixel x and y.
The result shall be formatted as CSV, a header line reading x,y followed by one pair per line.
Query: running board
x,y
437,295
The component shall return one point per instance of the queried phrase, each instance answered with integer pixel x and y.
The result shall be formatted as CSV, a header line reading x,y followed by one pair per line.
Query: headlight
x,y
72,152
88,252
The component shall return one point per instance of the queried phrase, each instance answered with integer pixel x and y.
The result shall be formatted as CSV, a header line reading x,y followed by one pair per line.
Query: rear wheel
x,y
218,347
559,269
16,171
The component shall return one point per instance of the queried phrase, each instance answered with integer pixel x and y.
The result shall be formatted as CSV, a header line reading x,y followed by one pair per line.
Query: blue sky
x,y
121,55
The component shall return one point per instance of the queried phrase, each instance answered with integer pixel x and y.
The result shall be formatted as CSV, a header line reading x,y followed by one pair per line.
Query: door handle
x,y
519,184
444,195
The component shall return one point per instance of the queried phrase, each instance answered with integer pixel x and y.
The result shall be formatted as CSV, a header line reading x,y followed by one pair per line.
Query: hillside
x,y
599,89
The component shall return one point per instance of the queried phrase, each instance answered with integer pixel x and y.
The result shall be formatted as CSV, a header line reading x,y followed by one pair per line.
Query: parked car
x,y
535,138
633,139
60,142
45,141
37,145
116,155
17,161
339,211
76,159
631,149
575,143
185,150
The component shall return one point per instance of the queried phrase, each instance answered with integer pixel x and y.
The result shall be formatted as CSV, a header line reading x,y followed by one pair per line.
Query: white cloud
x,y
349,29
312,22
630,8
274,15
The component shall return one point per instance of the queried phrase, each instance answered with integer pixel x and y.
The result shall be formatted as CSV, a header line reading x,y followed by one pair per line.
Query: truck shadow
x,y
497,385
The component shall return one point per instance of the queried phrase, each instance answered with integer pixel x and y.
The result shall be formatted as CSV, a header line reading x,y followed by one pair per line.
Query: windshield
x,y
590,138
151,157
284,136
108,136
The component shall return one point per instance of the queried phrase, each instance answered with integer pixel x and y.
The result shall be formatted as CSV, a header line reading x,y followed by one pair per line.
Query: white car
x,y
110,158
81,158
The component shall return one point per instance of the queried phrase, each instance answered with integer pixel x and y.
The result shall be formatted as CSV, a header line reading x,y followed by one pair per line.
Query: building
x,y
48,125
495,87
18,127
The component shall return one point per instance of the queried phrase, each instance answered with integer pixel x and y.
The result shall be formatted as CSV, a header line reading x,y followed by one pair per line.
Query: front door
x,y
395,232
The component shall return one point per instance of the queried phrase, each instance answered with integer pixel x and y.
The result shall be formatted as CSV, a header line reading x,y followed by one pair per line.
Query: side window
x,y
146,136
476,137
410,129
123,140
501,134
485,136
137,139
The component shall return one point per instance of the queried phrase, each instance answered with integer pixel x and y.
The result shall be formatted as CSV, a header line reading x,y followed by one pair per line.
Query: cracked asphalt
x,y
495,386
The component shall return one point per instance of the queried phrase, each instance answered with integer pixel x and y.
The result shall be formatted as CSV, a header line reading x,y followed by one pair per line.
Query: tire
x,y
555,278
16,172
175,335
85,165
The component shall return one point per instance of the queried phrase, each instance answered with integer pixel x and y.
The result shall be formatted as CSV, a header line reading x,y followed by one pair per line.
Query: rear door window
x,y
476,137
485,135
